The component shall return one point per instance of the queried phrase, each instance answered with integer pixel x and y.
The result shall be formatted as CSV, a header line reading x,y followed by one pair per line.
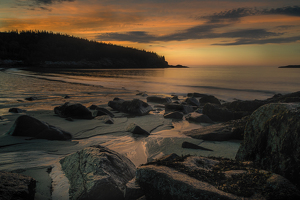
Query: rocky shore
x,y
79,136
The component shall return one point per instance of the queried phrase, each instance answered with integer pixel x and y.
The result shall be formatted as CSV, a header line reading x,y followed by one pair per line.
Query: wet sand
x,y
35,157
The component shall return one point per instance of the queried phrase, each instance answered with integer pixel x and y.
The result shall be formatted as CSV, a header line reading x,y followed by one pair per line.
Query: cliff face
x,y
44,49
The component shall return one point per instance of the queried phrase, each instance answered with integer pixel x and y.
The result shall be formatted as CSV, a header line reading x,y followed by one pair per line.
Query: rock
x,y
70,119
198,118
27,126
209,99
135,107
31,98
135,129
175,97
195,94
67,97
178,107
16,186
218,113
168,158
16,110
107,119
248,106
174,115
143,94
101,111
232,130
156,99
77,111
272,139
1,118
192,101
133,190
97,172
193,177
188,145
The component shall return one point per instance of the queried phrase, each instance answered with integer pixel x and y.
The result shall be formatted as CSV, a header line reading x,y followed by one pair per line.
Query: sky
x,y
186,32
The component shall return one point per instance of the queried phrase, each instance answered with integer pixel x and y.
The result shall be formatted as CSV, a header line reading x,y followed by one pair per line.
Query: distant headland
x,y
290,66
42,49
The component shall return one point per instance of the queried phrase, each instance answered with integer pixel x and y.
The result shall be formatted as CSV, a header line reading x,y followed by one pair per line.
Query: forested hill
x,y
46,49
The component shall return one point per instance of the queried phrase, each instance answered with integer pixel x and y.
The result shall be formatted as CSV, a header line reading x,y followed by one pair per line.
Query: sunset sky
x,y
187,32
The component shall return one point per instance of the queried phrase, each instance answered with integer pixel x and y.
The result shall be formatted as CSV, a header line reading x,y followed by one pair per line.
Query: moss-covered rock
x,y
272,140
193,177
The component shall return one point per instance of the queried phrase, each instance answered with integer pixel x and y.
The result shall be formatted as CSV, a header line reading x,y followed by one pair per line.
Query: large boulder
x,y
171,107
209,99
28,126
198,118
192,177
218,113
192,101
135,107
101,111
77,111
174,115
156,99
232,130
247,106
97,172
272,139
16,186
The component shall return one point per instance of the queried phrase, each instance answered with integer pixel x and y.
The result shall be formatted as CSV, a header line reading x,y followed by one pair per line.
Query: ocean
x,y
225,82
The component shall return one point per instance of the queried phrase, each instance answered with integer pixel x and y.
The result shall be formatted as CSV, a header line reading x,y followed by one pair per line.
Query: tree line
x,y
36,47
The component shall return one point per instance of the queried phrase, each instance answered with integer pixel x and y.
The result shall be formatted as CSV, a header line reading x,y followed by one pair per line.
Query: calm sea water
x,y
225,82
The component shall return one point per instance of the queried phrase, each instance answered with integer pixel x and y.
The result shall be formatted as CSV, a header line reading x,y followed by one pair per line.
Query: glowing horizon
x,y
186,32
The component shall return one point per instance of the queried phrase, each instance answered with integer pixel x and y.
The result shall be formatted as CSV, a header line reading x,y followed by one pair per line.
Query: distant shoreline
x,y
5,64
290,66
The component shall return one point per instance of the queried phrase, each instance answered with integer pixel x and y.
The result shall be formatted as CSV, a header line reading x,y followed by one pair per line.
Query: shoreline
x,y
37,154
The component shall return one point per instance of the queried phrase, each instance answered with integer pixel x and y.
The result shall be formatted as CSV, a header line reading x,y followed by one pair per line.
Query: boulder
x,y
77,111
195,94
27,126
198,118
272,139
135,107
175,97
107,119
101,111
97,172
209,99
193,177
174,115
31,98
218,113
248,106
192,101
232,130
171,107
135,129
156,99
16,110
16,186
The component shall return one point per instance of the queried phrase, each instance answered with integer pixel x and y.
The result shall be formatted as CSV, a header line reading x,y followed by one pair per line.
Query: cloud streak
x,y
238,13
212,29
262,41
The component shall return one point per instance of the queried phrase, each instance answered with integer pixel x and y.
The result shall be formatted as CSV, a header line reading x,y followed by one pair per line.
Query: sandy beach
x,y
39,158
